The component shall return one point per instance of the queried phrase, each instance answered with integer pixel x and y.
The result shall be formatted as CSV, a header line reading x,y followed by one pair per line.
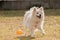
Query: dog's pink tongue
x,y
39,16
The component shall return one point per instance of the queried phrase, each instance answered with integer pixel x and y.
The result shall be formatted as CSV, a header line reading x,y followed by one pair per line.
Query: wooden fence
x,y
27,4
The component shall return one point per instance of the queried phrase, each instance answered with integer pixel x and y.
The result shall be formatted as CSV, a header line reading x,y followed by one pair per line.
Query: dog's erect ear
x,y
33,9
41,8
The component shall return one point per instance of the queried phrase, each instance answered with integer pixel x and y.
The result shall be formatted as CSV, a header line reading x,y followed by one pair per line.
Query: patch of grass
x,y
52,12
12,13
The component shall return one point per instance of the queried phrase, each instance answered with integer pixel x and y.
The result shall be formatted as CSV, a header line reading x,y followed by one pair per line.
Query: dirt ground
x,y
12,20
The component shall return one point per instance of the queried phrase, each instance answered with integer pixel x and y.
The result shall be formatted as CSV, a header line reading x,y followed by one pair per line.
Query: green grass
x,y
11,20
11,13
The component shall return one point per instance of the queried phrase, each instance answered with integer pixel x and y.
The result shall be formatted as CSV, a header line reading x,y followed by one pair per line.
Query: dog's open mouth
x,y
39,16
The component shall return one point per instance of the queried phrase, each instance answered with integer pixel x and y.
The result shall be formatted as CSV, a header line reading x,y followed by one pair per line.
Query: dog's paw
x,y
44,33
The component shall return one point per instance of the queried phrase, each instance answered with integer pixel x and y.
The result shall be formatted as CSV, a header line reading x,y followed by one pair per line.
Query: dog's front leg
x,y
42,23
42,30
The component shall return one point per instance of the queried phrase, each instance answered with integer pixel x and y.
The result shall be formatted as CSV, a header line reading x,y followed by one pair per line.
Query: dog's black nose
x,y
40,15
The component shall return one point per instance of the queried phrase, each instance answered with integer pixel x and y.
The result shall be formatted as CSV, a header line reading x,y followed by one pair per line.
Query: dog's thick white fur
x,y
34,18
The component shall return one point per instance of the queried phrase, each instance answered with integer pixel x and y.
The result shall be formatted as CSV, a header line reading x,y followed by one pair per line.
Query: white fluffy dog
x,y
34,18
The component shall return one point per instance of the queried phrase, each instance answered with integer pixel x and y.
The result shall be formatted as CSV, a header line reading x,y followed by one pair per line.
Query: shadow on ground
x,y
19,13
26,38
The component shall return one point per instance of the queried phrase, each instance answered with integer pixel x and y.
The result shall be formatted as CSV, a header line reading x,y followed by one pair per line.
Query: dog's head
x,y
38,11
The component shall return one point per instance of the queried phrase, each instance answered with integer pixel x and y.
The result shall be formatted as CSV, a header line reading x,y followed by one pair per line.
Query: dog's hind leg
x,y
24,30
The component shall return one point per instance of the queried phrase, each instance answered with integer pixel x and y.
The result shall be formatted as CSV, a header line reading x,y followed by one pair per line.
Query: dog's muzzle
x,y
39,16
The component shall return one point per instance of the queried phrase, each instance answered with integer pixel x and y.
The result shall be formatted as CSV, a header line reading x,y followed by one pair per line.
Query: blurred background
x,y
26,4
12,14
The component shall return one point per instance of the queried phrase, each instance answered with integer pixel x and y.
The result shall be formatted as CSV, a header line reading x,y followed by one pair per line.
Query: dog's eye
x,y
37,13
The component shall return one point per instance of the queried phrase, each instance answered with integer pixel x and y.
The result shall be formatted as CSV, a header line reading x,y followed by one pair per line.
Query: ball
x,y
19,32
